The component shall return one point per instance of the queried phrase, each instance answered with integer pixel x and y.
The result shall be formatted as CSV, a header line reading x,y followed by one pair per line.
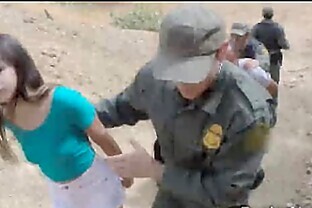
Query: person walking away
x,y
272,35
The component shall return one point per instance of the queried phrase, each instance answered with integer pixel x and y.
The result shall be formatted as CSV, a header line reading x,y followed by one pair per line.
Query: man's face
x,y
195,90
238,43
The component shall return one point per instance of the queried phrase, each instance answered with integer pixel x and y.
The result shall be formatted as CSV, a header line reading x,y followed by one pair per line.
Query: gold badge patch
x,y
212,138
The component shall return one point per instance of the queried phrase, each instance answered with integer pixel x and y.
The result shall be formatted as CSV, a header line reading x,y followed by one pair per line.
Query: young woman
x,y
52,125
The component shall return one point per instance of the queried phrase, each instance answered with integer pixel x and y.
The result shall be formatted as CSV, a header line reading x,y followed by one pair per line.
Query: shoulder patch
x,y
257,138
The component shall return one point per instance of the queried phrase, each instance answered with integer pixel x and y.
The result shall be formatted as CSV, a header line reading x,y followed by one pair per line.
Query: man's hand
x,y
127,182
137,164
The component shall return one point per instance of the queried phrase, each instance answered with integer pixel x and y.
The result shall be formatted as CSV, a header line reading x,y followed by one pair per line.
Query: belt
x,y
274,52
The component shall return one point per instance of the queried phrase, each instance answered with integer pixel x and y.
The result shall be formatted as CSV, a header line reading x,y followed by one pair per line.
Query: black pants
x,y
259,178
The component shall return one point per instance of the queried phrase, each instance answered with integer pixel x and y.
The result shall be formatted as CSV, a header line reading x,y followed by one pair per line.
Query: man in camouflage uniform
x,y
272,35
211,118
247,46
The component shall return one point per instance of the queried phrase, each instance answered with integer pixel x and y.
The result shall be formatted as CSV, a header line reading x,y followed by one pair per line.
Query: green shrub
x,y
140,18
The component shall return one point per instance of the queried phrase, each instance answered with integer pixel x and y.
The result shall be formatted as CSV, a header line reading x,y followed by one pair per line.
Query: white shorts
x,y
98,187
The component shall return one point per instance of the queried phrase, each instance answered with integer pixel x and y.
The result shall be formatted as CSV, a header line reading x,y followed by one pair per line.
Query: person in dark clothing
x,y
272,35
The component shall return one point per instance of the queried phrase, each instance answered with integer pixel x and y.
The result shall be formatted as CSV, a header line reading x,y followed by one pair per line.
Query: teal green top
x,y
60,146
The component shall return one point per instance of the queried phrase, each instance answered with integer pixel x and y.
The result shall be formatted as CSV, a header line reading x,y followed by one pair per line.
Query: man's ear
x,y
222,51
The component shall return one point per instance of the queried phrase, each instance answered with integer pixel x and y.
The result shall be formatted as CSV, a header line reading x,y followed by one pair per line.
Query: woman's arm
x,y
99,134
82,115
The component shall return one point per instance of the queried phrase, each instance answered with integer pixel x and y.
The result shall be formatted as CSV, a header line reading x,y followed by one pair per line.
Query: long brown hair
x,y
30,84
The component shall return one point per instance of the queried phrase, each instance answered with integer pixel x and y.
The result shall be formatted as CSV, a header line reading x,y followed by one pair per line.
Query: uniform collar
x,y
267,21
213,97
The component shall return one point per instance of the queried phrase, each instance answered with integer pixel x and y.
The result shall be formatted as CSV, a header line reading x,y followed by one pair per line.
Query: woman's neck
x,y
9,108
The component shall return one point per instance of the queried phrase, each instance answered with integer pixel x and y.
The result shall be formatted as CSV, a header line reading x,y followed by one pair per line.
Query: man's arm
x,y
263,56
254,31
272,88
126,108
229,186
119,111
282,41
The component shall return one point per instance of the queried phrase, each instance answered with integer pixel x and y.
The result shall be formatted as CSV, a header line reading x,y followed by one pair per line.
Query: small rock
x,y
48,15
58,76
306,203
309,133
29,20
308,164
50,52
308,198
291,85
297,191
290,205
308,171
58,60
43,29
54,62
75,34
51,55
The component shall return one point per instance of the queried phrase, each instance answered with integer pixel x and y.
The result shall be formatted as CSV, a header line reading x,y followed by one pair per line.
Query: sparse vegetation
x,y
140,18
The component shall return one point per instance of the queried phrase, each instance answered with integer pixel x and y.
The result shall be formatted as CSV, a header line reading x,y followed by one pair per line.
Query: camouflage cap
x,y
240,29
267,11
189,38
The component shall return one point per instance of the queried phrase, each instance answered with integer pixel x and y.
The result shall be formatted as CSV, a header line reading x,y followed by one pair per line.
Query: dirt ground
x,y
79,48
